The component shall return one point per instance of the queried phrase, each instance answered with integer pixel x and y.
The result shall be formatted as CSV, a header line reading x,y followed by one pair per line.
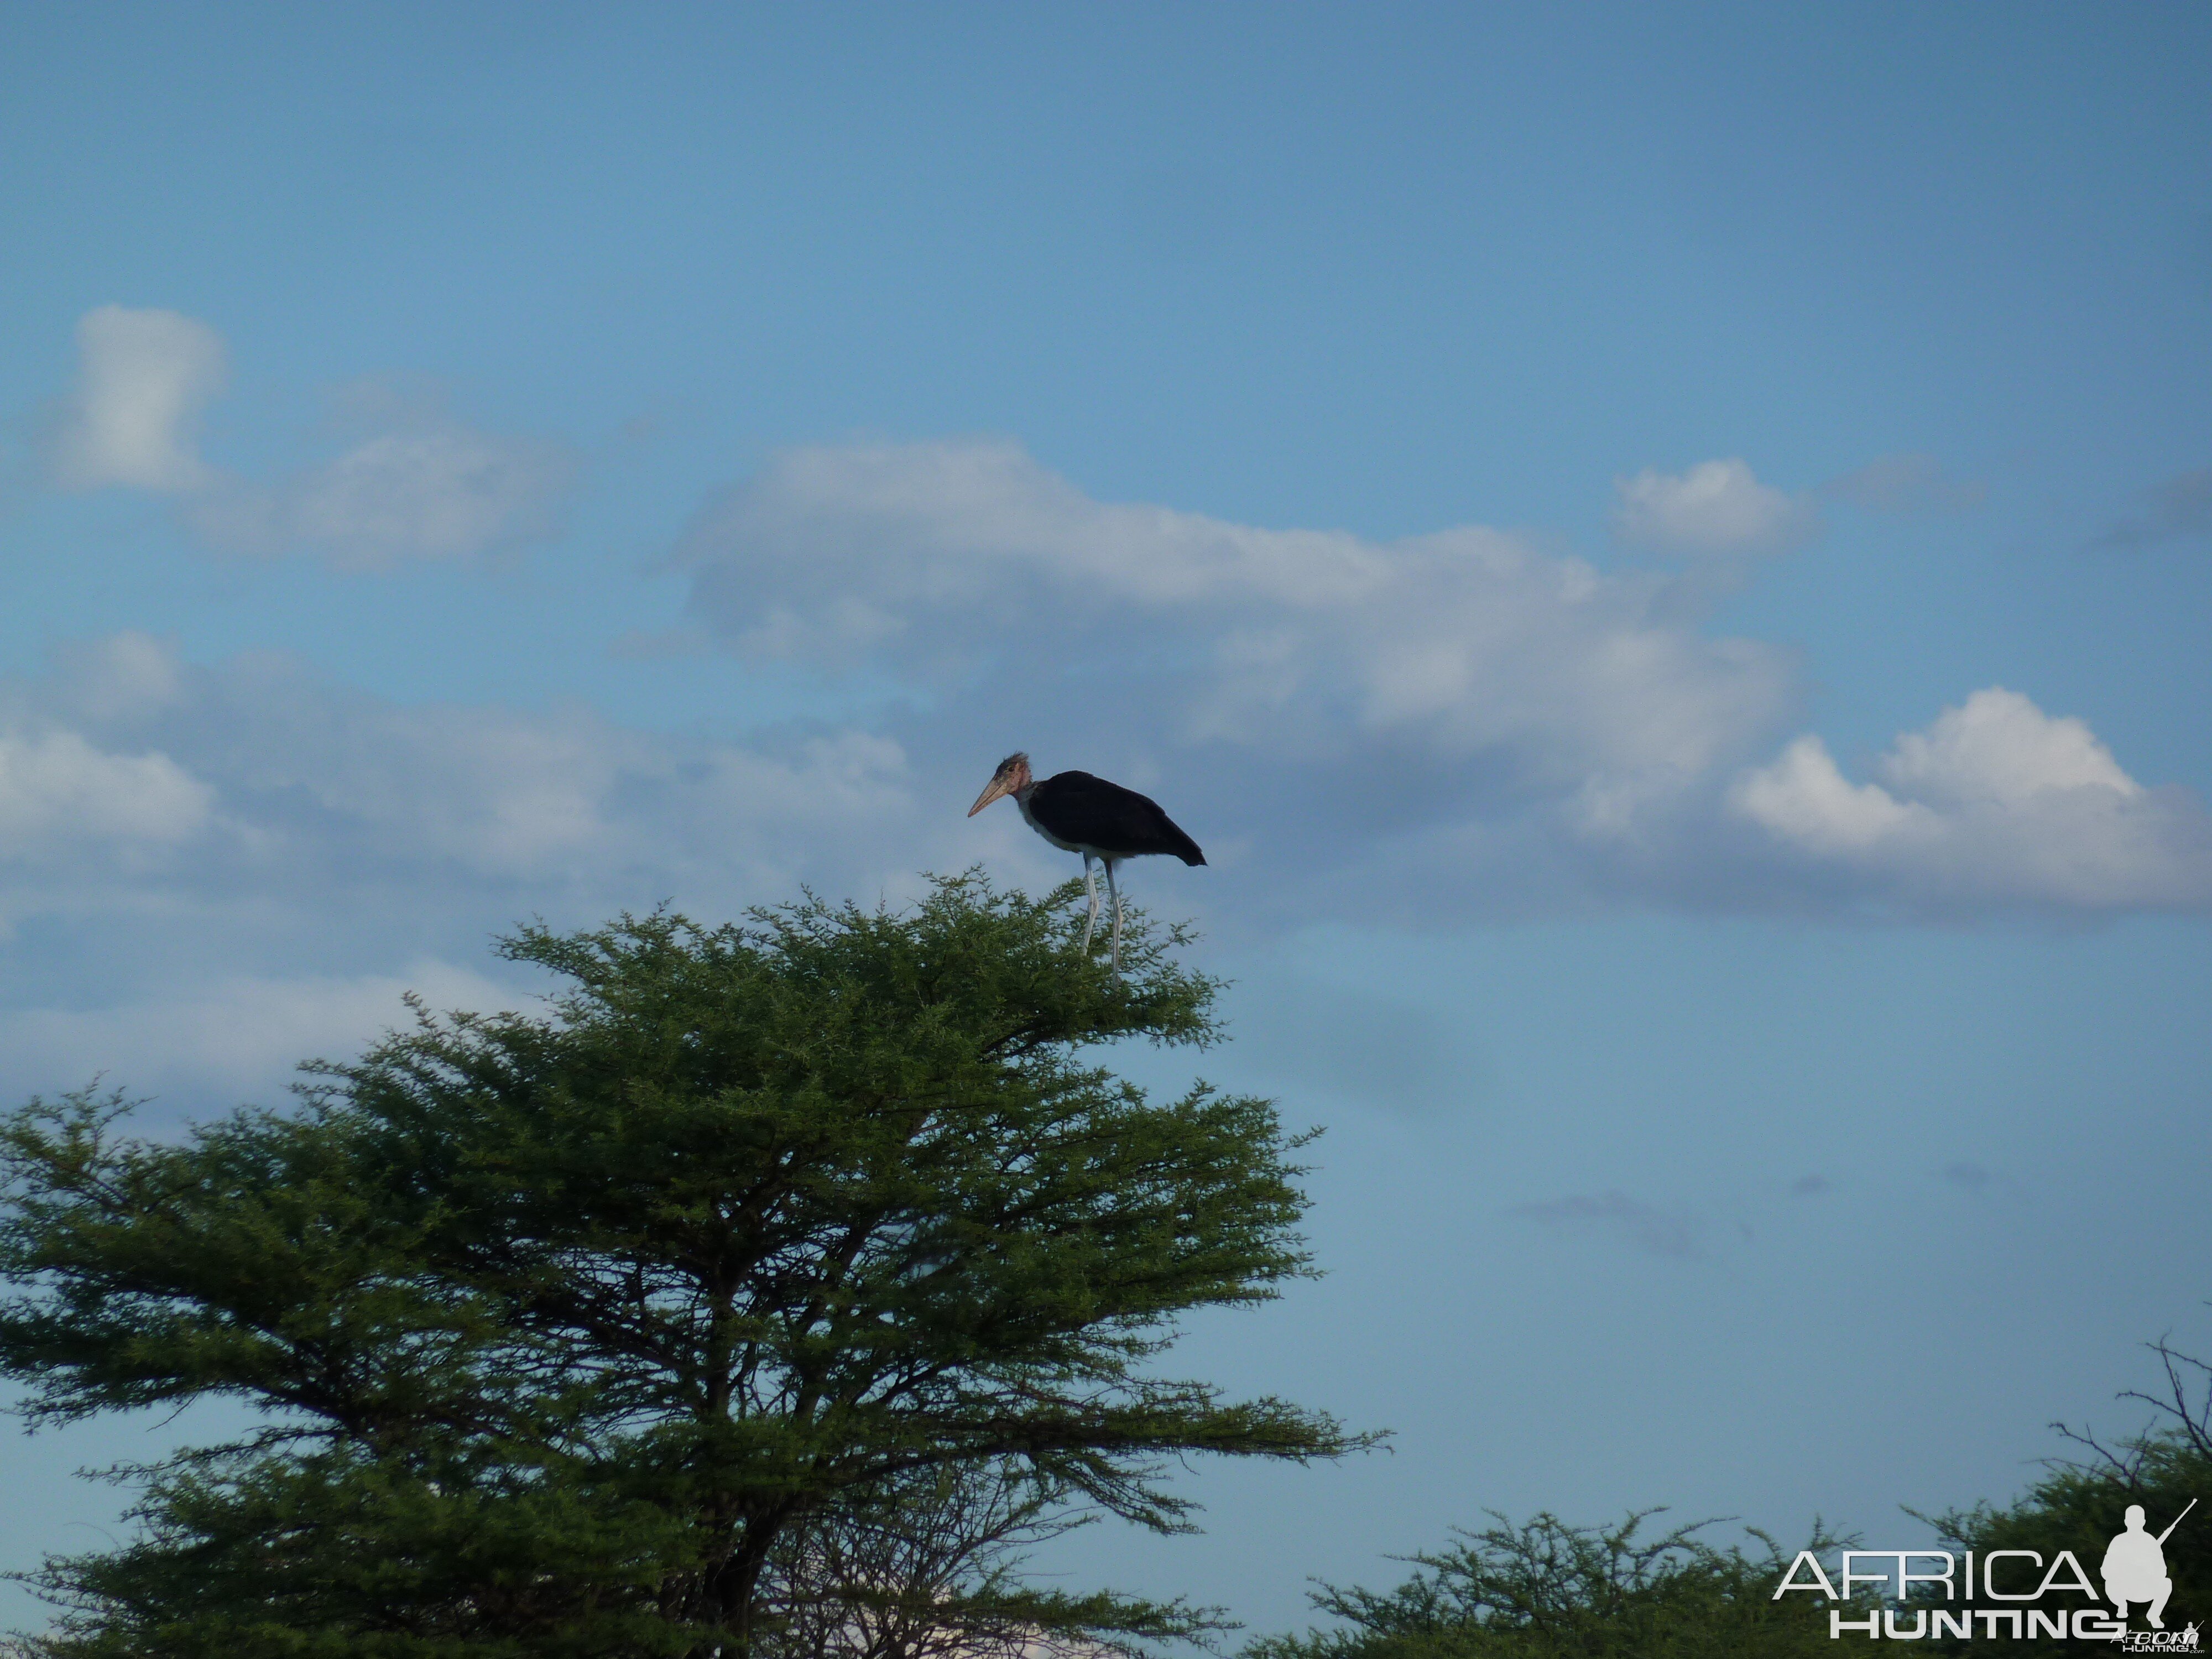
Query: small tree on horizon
x,y
564,1330
1544,1589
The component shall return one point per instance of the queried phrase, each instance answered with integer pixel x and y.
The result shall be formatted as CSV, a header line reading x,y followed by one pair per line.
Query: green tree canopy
x,y
562,1327
1546,1590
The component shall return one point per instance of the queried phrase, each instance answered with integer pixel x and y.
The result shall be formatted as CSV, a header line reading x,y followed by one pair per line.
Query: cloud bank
x,y
218,864
256,772
1448,726
1436,732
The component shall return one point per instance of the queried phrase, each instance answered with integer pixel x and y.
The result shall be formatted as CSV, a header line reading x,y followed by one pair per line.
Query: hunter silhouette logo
x,y
2134,1566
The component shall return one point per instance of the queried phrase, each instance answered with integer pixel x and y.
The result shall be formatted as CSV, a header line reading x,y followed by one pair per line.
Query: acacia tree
x,y
560,1326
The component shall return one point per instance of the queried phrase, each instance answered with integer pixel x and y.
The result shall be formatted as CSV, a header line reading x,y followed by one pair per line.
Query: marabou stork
x,y
1102,821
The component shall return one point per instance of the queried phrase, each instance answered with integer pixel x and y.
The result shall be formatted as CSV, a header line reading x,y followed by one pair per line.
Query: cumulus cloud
x,y
56,791
1717,508
1995,802
1998,746
1428,731
1804,798
417,484
142,379
1907,484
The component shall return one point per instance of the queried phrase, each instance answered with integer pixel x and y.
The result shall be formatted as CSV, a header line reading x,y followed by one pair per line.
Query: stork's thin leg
x,y
1091,886
1116,892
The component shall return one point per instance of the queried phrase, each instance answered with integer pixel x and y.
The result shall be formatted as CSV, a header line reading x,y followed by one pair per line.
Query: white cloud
x,y
1717,508
203,841
1428,728
1995,802
142,379
441,491
57,790
417,484
1998,746
1804,798
942,561
830,552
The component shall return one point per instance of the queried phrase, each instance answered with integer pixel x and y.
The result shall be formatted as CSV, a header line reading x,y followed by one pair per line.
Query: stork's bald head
x,y
1011,779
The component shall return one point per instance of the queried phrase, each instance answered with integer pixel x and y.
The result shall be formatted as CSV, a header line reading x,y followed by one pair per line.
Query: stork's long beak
x,y
1001,785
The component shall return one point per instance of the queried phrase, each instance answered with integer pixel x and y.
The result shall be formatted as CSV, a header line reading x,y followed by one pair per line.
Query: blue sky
x,y
1664,551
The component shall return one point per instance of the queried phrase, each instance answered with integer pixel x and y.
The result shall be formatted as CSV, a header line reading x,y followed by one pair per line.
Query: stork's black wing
x,y
1104,818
